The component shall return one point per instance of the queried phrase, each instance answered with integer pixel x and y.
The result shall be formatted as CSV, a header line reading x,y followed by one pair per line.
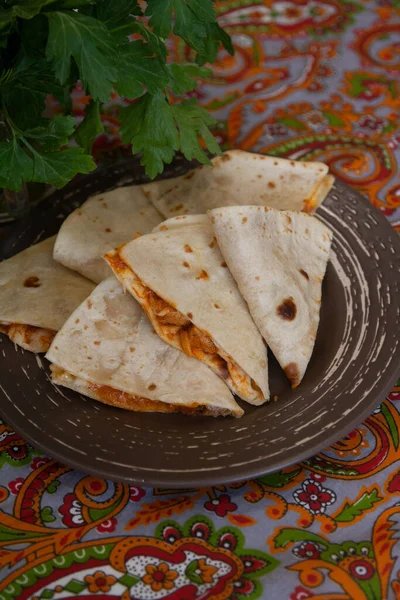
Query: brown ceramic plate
x,y
352,368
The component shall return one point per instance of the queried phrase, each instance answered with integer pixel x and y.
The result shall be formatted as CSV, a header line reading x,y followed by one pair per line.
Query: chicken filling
x,y
115,397
35,339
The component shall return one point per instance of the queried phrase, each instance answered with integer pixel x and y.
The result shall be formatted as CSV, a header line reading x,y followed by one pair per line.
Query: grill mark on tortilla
x,y
304,273
292,373
32,281
203,275
287,309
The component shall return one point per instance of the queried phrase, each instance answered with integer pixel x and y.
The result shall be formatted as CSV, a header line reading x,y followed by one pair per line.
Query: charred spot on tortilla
x,y
292,163
89,304
288,219
271,184
77,320
244,219
203,275
189,175
188,248
32,281
304,273
224,265
217,306
152,387
163,228
178,207
189,315
96,342
186,264
213,220
107,229
257,278
275,163
212,244
132,349
287,309
292,373
106,205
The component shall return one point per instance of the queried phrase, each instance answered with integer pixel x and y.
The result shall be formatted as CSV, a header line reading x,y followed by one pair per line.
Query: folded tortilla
x,y
180,278
100,224
37,295
240,178
108,350
278,260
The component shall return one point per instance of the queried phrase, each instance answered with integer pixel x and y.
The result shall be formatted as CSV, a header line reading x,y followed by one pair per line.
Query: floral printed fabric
x,y
310,80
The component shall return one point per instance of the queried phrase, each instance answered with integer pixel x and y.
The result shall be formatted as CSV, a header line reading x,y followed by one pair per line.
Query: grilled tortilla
x,y
37,295
107,350
100,224
278,260
239,178
180,278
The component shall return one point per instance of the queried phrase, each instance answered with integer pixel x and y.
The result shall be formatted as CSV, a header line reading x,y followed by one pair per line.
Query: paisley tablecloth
x,y
310,80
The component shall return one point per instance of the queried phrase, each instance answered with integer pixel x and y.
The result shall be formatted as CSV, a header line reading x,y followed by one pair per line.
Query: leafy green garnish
x,y
46,46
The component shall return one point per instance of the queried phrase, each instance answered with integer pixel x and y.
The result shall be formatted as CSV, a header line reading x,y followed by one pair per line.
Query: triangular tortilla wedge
x,y
278,260
100,224
108,350
240,177
180,278
37,295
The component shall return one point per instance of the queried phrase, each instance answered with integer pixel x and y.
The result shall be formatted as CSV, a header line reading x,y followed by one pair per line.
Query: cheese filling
x,y
115,397
175,327
35,339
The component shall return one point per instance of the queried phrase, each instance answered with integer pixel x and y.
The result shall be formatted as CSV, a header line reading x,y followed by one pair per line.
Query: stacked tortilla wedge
x,y
37,295
107,350
278,259
242,178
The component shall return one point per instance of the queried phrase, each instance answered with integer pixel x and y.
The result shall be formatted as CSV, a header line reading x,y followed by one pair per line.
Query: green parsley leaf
x,y
115,13
138,65
15,166
58,168
89,42
160,13
26,9
193,121
54,135
90,127
189,27
155,42
149,126
182,76
203,9
215,36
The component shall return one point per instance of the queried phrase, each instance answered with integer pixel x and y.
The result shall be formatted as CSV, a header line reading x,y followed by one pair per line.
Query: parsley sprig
x,y
46,46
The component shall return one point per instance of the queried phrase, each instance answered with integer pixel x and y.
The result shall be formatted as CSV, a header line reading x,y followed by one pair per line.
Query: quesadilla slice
x,y
179,277
107,350
37,295
278,260
100,224
240,177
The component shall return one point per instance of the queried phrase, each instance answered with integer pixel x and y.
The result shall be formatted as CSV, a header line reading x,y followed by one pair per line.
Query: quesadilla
x,y
180,278
278,260
239,177
100,224
107,350
37,295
